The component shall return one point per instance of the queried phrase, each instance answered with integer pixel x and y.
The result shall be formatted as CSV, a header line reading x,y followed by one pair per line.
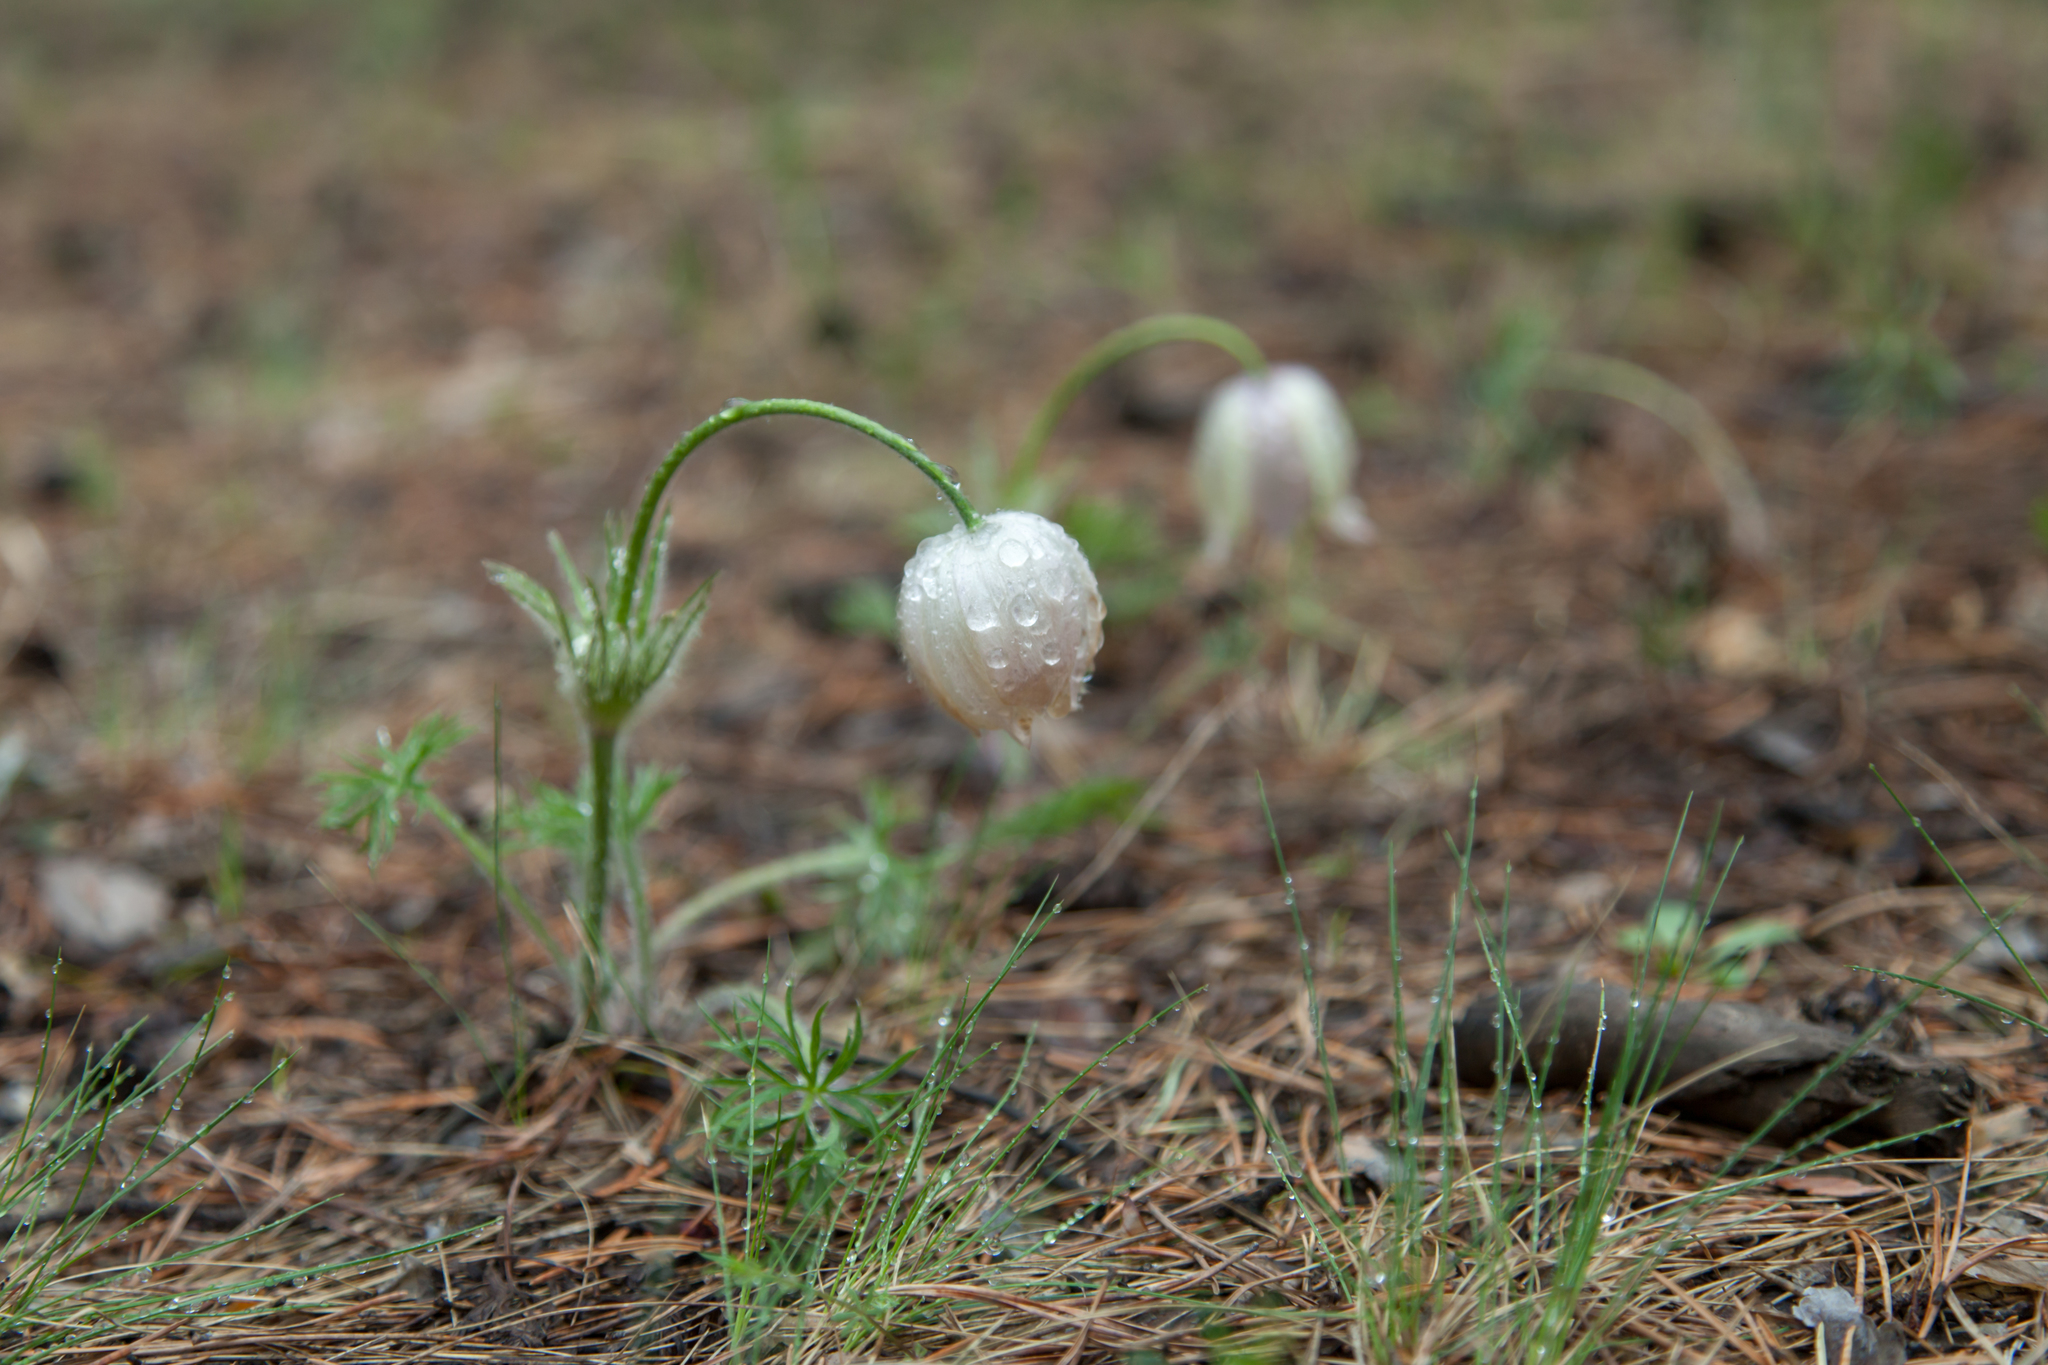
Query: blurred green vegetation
x,y
348,238
937,177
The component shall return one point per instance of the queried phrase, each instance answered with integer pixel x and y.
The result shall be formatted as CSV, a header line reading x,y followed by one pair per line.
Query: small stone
x,y
1735,642
100,908
1366,1160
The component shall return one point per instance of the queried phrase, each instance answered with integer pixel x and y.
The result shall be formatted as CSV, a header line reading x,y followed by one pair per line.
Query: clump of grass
x,y
1500,1224
862,1203
72,1177
1672,940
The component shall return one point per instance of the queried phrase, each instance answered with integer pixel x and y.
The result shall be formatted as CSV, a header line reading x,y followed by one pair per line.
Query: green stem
x,y
1749,525
732,415
604,751
818,862
1113,349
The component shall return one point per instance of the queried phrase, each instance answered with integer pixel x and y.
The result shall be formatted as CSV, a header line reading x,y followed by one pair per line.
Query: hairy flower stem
x,y
1113,349
735,413
604,757
607,855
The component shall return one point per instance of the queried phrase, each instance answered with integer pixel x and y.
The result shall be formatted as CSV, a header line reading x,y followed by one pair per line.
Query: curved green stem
x,y
733,415
1118,346
831,860
1749,525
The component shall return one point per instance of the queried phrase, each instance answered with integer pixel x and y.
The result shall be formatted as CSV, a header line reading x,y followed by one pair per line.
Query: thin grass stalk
x,y
480,857
1308,975
1610,1142
1408,1115
396,947
1919,827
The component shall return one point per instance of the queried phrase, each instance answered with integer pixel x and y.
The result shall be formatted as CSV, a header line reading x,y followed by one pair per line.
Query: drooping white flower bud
x,y
1273,449
1000,624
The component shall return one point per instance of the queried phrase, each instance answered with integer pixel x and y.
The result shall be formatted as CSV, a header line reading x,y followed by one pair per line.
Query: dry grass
x,y
1198,1207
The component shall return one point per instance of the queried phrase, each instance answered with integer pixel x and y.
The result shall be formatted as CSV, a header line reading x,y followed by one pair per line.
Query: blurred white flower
x,y
1000,624
1272,450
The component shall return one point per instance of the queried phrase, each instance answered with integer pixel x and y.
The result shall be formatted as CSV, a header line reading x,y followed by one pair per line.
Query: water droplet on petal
x,y
1013,553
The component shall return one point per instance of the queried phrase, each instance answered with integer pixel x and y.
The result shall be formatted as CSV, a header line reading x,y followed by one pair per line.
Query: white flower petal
x,y
1001,624
1272,450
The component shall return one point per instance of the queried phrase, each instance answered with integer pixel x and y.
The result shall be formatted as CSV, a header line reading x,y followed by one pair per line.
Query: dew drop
x,y
1024,611
1051,654
997,660
1013,554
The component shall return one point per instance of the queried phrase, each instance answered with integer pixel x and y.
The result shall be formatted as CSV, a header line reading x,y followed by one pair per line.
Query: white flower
x,y
1000,624
1274,449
